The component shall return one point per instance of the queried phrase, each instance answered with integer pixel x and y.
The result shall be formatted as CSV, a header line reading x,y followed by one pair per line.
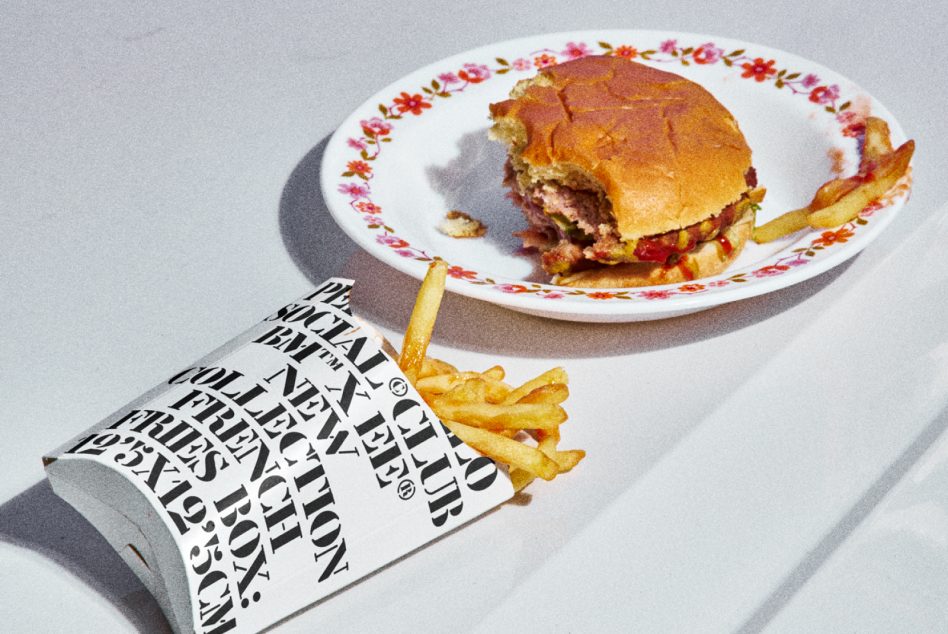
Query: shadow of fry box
x,y
282,467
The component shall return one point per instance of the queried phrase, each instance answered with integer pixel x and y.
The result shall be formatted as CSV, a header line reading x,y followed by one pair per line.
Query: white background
x,y
776,462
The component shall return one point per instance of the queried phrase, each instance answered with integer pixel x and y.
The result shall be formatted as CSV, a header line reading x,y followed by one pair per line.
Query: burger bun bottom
x,y
706,260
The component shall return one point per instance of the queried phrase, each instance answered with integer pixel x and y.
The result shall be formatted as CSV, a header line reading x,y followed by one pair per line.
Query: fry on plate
x,y
840,200
881,176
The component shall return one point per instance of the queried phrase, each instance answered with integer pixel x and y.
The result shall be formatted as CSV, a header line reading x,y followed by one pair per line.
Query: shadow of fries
x,y
320,249
38,520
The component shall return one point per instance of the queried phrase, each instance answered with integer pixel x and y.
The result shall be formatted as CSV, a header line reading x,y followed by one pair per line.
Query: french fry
x,y
568,459
496,372
831,191
877,142
554,393
888,169
556,375
435,367
491,416
495,391
547,440
469,391
422,321
782,225
480,408
756,195
792,221
520,478
441,383
565,460
506,450
840,200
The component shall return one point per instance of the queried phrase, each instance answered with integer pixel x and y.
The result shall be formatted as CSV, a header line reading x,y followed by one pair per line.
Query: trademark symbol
x,y
406,489
398,386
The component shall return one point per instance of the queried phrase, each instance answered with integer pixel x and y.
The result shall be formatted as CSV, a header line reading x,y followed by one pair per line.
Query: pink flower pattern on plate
x,y
391,241
474,73
655,294
512,288
460,273
375,127
771,270
368,207
544,60
354,190
824,94
575,50
707,53
691,288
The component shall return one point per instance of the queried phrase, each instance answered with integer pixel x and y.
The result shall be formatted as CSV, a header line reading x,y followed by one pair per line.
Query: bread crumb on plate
x,y
458,224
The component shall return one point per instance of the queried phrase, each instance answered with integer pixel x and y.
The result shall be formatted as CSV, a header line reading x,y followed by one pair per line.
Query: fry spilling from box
x,y
286,465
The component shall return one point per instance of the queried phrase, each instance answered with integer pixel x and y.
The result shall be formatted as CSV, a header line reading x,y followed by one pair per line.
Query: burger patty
x,y
574,229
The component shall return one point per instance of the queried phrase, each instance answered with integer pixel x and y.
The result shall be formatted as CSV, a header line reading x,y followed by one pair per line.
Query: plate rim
x,y
537,304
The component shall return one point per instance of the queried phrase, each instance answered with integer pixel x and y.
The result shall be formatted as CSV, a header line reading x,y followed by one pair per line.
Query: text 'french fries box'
x,y
265,476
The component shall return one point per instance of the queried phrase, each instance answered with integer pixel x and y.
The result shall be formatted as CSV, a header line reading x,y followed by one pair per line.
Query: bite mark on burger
x,y
626,175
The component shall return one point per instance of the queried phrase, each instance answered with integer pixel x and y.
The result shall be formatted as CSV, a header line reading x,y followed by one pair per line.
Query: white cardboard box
x,y
280,468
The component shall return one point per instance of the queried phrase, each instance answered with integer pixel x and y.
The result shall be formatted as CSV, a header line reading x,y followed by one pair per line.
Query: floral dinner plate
x,y
419,148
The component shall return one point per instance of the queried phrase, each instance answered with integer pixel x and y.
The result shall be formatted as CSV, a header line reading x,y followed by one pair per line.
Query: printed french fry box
x,y
260,479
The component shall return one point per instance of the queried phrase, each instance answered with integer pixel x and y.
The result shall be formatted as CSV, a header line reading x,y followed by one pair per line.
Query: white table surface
x,y
776,463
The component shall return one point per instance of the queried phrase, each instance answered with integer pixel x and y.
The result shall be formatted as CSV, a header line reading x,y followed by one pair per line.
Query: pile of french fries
x,y
516,426
840,200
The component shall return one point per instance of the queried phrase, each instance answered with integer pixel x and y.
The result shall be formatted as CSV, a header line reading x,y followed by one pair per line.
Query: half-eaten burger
x,y
627,175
